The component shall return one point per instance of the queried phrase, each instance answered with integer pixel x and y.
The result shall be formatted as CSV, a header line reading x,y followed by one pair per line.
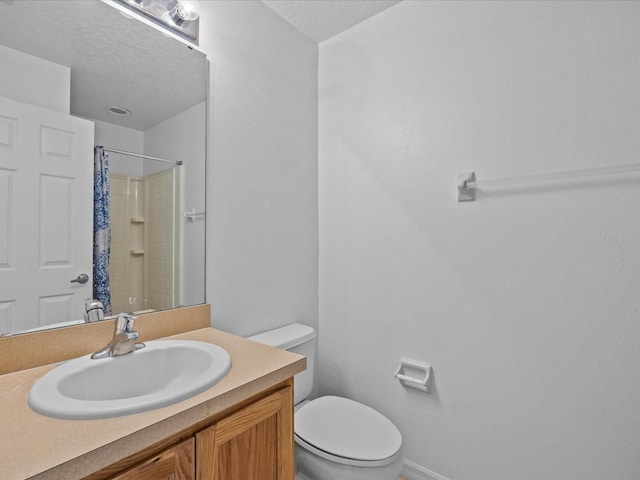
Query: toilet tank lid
x,y
286,337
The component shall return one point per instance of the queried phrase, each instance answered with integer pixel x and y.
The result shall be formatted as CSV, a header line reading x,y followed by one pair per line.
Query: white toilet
x,y
336,438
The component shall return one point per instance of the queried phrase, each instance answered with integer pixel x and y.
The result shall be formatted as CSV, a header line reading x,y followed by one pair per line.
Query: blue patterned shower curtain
x,y
101,229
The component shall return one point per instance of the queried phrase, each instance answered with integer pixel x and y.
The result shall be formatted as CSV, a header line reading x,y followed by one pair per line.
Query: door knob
x,y
82,278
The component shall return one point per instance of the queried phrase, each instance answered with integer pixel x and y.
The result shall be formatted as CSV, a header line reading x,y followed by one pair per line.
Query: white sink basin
x,y
162,373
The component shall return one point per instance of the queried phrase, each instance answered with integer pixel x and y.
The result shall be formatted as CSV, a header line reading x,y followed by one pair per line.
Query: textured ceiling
x,y
119,61
114,60
322,19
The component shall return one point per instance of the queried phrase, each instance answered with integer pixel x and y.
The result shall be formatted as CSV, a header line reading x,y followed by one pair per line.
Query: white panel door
x,y
46,215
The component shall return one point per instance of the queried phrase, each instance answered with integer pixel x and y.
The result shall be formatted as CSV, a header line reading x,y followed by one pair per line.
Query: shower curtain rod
x,y
139,155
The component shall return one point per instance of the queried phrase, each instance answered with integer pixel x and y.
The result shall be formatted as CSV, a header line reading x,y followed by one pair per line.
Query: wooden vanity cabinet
x,y
251,442
255,442
175,463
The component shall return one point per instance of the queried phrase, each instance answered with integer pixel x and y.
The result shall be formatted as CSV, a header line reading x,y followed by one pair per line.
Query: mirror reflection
x,y
85,88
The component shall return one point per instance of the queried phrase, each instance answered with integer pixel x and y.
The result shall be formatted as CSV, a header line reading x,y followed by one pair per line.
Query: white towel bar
x,y
467,183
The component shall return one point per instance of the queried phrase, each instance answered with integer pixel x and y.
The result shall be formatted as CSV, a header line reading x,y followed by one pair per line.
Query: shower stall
x,y
145,241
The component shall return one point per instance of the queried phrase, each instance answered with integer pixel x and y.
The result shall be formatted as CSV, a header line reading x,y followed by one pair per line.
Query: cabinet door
x,y
253,443
175,463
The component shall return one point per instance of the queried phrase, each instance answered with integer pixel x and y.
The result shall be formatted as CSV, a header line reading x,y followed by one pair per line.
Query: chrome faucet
x,y
124,338
94,310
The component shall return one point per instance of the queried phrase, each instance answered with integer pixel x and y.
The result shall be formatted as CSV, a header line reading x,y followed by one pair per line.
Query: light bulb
x,y
185,11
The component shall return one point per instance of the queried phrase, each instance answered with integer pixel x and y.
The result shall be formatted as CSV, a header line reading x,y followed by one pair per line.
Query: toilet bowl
x,y
336,438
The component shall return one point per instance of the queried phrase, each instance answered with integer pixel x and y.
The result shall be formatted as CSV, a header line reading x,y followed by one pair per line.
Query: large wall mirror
x,y
139,94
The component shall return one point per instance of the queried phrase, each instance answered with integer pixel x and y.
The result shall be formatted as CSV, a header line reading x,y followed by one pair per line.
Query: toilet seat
x,y
347,432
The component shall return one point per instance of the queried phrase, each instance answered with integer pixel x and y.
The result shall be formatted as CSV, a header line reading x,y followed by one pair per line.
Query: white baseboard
x,y
413,471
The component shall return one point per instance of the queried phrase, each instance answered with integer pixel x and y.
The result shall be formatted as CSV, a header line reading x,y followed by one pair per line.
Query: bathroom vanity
x,y
240,428
253,441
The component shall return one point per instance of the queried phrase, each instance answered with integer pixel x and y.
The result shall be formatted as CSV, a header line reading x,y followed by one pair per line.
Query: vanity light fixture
x,y
177,16
185,11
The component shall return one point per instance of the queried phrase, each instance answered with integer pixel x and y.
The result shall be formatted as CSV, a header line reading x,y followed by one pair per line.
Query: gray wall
x,y
526,302
262,220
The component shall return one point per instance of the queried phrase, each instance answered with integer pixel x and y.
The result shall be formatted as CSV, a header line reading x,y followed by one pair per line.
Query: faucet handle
x,y
124,322
124,338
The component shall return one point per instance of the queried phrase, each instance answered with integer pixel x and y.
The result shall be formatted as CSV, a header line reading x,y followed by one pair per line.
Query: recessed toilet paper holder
x,y
408,368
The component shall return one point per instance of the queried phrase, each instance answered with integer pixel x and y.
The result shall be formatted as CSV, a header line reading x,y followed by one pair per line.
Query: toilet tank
x,y
299,339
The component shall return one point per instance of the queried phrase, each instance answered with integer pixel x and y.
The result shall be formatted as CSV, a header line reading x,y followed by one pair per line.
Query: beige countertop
x,y
39,447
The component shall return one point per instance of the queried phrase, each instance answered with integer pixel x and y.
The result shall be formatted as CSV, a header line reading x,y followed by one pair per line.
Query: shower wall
x,y
162,240
127,262
144,264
